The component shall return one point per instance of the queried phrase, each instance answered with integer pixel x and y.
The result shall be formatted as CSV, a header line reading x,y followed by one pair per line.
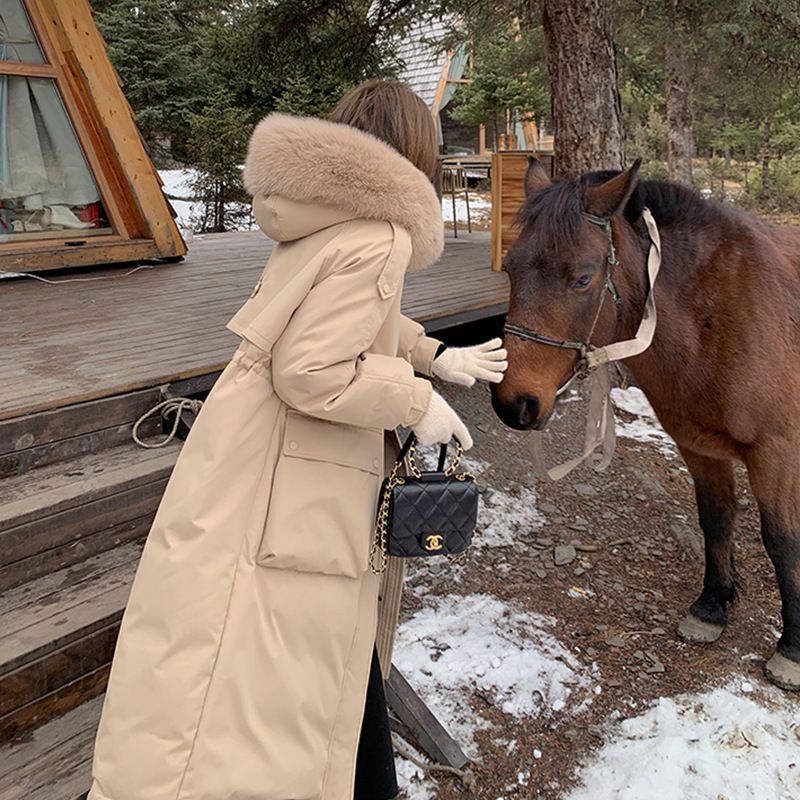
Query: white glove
x,y
463,365
440,423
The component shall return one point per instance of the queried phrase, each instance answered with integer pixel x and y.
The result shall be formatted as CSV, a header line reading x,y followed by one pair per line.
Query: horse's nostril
x,y
527,410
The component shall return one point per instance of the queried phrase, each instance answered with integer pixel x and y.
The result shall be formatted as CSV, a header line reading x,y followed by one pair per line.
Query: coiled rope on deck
x,y
172,405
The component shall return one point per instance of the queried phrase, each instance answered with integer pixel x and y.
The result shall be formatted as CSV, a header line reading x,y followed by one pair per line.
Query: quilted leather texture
x,y
433,506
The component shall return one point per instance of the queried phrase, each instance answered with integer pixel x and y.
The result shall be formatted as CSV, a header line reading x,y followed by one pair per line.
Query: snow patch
x,y
726,743
461,645
647,427
480,209
505,520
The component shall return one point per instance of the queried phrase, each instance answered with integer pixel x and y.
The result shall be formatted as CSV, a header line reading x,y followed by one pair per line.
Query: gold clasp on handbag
x,y
434,542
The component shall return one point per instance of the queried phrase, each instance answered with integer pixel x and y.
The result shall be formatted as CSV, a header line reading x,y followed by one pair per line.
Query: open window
x,y
76,184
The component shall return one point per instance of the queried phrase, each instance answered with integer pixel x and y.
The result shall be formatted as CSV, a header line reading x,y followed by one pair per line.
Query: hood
x,y
306,174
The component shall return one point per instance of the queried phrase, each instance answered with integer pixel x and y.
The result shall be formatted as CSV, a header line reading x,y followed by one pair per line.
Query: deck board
x,y
80,340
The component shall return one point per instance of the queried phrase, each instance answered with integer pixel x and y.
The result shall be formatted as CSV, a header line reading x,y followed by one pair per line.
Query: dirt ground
x,y
637,567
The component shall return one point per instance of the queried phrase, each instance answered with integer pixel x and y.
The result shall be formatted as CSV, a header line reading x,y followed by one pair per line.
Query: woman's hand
x,y
440,424
464,365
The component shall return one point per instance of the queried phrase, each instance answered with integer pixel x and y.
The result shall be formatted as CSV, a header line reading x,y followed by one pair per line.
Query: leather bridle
x,y
583,348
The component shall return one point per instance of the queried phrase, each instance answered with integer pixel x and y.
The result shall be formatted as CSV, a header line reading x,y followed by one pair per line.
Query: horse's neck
x,y
652,367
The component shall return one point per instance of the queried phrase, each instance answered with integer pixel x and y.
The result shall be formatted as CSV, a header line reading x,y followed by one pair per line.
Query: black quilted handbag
x,y
425,513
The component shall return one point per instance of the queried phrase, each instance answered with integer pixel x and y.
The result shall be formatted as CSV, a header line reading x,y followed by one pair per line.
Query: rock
x,y
577,526
591,652
578,571
548,508
564,554
544,541
540,573
584,490
616,641
658,631
656,668
619,587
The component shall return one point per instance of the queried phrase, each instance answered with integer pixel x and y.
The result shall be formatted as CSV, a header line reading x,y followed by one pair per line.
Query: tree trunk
x,y
680,114
766,157
583,85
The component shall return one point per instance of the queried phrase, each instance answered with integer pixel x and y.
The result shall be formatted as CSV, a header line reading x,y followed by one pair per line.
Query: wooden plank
x,y
54,488
47,257
70,421
66,698
42,750
68,588
53,767
75,552
57,530
92,567
22,461
36,640
427,731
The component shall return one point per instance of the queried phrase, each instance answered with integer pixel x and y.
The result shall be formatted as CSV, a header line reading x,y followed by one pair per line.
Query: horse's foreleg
x,y
716,505
775,478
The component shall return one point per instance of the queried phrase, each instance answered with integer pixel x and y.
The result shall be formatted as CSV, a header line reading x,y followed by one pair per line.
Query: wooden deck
x,y
80,340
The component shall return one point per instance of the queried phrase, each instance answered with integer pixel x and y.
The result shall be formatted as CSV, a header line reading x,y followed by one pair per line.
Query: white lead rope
x,y
172,405
600,430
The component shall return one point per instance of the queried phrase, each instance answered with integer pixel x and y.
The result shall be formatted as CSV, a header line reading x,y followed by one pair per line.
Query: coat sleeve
x,y
415,347
320,365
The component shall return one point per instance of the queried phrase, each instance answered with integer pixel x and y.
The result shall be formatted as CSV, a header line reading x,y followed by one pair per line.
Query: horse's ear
x,y
536,176
612,196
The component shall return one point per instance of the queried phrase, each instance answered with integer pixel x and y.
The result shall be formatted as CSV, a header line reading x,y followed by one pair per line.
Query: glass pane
x,y
17,39
46,187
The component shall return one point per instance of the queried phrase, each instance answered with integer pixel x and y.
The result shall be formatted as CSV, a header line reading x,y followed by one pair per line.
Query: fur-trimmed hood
x,y
346,174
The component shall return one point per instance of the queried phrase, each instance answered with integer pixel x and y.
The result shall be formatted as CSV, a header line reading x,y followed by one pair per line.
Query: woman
x,y
245,651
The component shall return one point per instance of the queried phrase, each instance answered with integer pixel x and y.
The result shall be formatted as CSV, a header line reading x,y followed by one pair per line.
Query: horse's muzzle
x,y
522,413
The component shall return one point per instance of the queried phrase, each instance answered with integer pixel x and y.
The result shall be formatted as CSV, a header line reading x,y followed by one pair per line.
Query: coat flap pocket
x,y
319,440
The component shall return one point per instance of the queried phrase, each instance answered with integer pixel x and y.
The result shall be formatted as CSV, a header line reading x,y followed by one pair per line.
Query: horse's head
x,y
564,283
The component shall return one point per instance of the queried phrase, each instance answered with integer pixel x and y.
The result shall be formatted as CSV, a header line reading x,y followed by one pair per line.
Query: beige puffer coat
x,y
242,663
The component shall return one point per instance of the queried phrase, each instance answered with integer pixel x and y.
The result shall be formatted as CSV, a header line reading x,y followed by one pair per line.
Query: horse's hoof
x,y
783,672
696,631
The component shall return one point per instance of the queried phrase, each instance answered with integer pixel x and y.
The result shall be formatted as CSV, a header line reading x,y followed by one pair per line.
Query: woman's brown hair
x,y
390,111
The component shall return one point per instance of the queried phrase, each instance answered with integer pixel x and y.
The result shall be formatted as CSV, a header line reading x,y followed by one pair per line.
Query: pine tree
x,y
217,148
154,60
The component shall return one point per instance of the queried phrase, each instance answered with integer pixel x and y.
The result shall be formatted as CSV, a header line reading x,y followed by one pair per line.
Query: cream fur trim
x,y
315,161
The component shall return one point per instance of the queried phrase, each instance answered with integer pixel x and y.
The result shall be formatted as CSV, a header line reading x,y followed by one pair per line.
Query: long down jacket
x,y
241,667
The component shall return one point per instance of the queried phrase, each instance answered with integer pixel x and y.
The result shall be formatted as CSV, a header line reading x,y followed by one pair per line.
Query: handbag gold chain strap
x,y
378,557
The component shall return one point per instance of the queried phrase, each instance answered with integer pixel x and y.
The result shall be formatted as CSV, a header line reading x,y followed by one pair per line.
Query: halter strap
x,y
600,429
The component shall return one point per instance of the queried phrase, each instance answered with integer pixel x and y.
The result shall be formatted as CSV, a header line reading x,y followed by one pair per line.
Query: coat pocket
x,y
324,498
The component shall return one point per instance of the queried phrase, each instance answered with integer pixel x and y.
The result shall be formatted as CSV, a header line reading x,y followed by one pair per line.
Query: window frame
x,y
121,213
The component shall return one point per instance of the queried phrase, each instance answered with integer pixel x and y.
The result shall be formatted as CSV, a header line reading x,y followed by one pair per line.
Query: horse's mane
x,y
557,208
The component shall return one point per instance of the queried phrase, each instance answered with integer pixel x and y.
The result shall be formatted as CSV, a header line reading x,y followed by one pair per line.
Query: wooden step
x,y
61,514
35,440
54,762
58,638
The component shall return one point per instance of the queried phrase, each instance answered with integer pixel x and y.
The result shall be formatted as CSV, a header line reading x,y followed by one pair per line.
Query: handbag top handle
x,y
410,444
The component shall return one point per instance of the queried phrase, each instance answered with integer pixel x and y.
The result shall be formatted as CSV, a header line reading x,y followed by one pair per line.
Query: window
x,y
47,189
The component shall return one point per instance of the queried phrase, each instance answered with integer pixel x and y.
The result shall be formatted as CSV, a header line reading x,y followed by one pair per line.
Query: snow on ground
x,y
725,744
505,520
458,646
480,209
647,427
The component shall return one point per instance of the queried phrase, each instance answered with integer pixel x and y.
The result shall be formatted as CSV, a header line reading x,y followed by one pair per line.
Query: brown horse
x,y
722,373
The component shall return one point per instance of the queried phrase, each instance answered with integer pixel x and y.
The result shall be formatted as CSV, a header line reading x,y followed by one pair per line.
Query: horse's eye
x,y
582,282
